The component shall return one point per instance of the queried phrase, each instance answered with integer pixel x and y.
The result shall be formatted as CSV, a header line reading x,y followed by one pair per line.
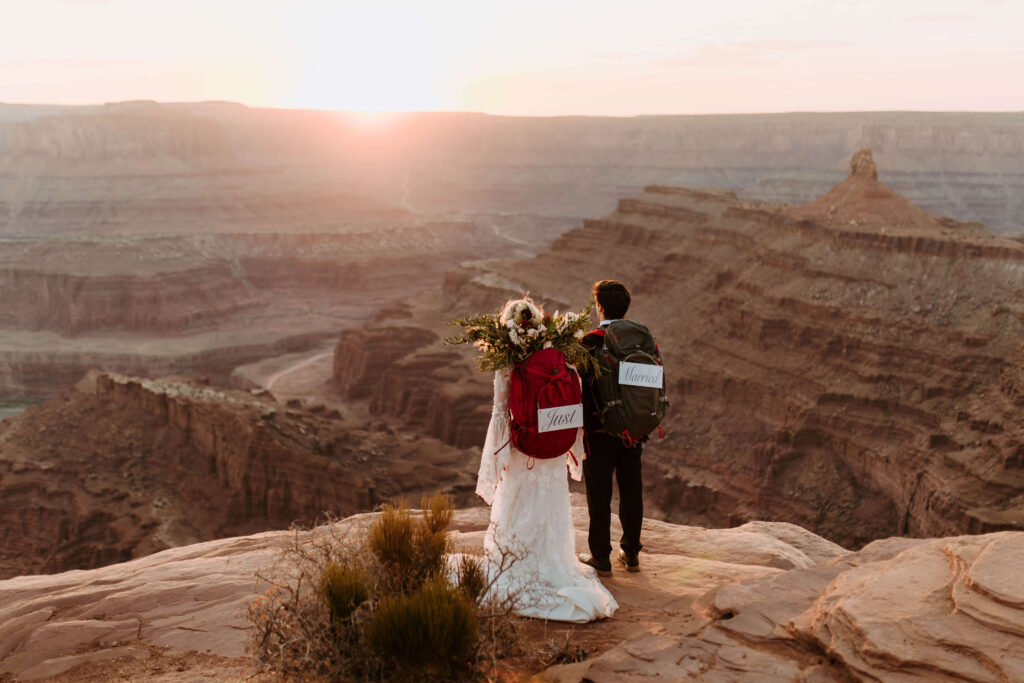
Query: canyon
x,y
843,362
118,468
194,238
851,365
203,304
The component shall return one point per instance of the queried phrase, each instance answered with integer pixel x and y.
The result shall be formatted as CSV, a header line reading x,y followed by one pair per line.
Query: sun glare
x,y
372,120
366,60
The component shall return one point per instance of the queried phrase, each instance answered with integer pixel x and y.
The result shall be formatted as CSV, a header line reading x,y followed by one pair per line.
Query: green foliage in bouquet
x,y
509,337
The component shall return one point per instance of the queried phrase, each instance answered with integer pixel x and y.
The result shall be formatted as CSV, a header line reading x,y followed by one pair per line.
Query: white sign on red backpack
x,y
559,417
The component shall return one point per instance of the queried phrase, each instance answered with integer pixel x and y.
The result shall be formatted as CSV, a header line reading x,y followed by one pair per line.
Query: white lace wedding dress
x,y
531,517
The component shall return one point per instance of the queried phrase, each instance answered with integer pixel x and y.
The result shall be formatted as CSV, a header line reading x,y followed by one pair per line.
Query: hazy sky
x,y
534,57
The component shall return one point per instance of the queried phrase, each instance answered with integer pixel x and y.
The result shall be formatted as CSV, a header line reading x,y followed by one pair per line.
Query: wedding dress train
x,y
531,526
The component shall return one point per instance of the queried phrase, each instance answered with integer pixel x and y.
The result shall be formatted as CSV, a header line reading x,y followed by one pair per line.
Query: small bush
x,y
433,629
471,578
438,511
411,551
391,537
343,589
376,604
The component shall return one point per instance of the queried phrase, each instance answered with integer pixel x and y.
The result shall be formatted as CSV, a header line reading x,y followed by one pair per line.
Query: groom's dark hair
x,y
613,297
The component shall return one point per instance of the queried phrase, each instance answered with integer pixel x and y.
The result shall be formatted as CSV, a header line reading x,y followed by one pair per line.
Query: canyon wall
x,y
69,303
208,167
404,373
188,304
122,467
854,366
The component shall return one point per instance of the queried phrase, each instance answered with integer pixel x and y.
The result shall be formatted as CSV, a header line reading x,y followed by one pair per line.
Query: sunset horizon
x,y
531,59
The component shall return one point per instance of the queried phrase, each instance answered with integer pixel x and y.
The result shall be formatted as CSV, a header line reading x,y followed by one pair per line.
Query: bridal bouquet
x,y
520,329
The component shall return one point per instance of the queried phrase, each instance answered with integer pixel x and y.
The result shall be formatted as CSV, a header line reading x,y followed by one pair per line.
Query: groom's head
x,y
612,297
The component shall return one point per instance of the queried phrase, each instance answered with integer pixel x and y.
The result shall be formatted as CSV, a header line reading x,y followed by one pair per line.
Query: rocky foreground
x,y
763,599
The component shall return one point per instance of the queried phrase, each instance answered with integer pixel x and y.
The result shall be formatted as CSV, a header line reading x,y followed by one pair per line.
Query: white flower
x,y
516,311
547,345
579,334
533,332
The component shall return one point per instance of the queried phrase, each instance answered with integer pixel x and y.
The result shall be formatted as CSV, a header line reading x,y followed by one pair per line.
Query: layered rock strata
x,y
71,304
122,467
403,372
191,305
211,167
855,369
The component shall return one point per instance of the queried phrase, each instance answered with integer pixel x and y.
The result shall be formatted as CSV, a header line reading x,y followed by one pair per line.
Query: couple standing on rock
x,y
530,542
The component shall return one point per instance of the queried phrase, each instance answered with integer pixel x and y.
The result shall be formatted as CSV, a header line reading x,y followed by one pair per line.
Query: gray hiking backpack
x,y
631,383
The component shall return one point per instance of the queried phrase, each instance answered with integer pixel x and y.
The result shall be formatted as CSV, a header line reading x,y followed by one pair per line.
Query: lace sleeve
x,y
497,448
575,457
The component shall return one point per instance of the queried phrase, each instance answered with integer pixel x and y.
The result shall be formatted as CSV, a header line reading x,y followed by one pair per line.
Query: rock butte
x,y
767,599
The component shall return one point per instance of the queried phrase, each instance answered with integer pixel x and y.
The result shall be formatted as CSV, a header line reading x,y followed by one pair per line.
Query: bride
x,y
531,517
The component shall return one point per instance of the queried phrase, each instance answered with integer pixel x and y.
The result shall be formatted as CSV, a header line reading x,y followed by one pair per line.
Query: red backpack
x,y
546,404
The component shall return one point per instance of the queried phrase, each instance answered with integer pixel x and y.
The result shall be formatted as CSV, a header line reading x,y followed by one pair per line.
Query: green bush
x,y
350,603
438,511
432,629
343,589
411,551
471,579
391,537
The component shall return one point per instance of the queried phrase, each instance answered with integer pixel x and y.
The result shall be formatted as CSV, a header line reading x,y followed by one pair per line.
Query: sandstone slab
x,y
192,599
898,610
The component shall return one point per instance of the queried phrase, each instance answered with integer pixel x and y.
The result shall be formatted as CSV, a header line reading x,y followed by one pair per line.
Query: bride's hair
x,y
520,310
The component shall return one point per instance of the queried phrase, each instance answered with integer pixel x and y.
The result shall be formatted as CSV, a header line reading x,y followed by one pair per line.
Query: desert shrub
x,y
343,588
411,550
471,579
432,630
383,600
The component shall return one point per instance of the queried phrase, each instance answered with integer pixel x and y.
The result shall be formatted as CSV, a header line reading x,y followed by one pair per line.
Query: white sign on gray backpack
x,y
559,417
641,375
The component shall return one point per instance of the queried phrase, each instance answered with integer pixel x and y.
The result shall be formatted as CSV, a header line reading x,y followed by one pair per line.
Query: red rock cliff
x,y
122,467
859,378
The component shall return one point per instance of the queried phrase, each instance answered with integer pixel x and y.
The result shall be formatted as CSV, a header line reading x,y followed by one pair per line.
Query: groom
x,y
607,454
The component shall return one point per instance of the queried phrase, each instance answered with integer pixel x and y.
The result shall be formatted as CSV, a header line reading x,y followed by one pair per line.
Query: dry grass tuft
x,y
432,630
343,589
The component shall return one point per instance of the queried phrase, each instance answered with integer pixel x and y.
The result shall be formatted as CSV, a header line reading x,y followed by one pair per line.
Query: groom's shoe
x,y
603,567
630,560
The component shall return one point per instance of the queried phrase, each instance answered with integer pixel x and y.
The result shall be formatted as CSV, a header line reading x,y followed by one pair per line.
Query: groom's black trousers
x,y
606,455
